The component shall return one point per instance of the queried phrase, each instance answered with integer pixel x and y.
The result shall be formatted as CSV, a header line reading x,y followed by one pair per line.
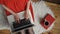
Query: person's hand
x,y
16,17
26,15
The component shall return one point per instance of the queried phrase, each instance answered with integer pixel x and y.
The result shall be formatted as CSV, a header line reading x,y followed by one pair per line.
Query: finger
x,y
17,20
26,16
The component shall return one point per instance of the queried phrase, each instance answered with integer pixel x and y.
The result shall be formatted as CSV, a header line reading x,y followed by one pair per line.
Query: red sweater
x,y
17,6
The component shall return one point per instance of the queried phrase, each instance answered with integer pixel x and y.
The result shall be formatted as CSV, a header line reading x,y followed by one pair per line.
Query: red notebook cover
x,y
47,21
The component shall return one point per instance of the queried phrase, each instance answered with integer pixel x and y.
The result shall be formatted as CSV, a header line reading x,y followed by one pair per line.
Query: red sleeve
x,y
1,1
31,9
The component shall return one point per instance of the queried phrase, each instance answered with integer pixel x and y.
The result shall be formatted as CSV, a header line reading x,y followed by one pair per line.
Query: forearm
x,y
32,12
8,10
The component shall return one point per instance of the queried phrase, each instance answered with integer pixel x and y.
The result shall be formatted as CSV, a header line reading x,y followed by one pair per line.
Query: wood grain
x,y
56,10
5,31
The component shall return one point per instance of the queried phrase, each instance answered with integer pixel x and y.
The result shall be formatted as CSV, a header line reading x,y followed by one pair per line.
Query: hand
x,y
26,15
16,17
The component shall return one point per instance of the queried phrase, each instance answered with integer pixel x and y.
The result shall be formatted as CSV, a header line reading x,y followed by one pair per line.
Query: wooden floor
x,y
4,31
56,29
56,10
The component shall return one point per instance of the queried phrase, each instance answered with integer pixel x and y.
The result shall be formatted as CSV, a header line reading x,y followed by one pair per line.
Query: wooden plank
x,y
5,31
56,10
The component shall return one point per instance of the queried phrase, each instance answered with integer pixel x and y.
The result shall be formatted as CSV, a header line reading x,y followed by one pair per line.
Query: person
x,y
13,7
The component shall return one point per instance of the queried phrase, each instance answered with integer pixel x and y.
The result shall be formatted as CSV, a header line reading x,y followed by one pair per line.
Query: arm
x,y
13,13
32,12
16,17
29,6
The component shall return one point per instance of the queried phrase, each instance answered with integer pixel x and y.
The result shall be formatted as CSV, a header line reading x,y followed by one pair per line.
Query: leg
x,y
31,30
21,32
